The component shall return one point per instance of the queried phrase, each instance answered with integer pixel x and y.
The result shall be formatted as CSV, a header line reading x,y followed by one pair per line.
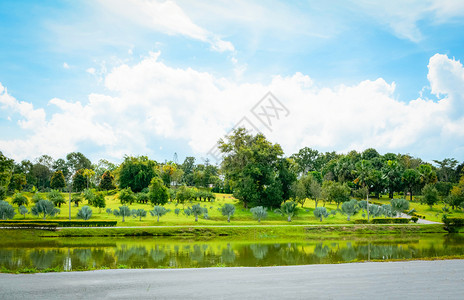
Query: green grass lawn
x,y
242,216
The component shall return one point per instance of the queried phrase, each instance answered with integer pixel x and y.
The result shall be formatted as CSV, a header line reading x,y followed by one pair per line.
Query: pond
x,y
69,254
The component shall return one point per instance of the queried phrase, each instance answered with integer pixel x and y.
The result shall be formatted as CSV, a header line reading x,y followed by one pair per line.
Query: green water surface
x,y
73,253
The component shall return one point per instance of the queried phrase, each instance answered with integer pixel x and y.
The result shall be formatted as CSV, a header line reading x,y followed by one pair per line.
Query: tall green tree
x,y
107,181
251,165
136,173
411,179
392,173
58,181
79,181
430,195
158,192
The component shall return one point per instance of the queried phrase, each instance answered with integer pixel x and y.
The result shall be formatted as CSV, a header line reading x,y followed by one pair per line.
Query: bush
x,y
452,225
19,199
390,221
259,213
84,213
360,221
6,210
66,223
414,219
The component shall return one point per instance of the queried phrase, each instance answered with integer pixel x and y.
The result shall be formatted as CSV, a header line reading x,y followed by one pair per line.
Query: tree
x,y
411,179
56,198
350,208
19,199
109,211
107,181
6,210
136,173
77,161
140,213
308,160
183,194
158,193
177,211
88,173
196,210
23,210
123,212
99,201
126,196
158,211
259,213
44,207
76,199
456,197
251,166
289,209
89,195
427,174
78,181
6,169
17,182
84,213
336,191
399,205
392,173
430,195
58,181
320,212
228,211
142,197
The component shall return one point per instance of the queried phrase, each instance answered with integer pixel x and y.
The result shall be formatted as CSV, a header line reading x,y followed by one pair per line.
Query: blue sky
x,y
109,78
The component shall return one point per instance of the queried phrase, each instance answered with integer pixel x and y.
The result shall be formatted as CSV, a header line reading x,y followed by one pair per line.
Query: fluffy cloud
x,y
166,17
152,101
403,16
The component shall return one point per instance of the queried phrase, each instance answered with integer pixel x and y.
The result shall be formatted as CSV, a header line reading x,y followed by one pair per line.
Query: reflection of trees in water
x,y
348,253
83,255
6,258
125,254
321,250
157,254
228,255
197,254
43,259
259,250
290,254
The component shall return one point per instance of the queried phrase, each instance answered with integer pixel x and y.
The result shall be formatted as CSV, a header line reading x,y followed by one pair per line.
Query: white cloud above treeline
x,y
151,101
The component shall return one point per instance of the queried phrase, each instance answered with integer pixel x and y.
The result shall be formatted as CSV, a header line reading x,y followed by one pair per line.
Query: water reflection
x,y
161,253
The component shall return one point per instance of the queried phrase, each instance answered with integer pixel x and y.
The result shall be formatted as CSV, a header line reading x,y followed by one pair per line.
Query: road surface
x,y
374,280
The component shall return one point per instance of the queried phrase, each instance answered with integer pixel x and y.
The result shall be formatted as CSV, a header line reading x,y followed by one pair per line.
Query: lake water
x,y
136,252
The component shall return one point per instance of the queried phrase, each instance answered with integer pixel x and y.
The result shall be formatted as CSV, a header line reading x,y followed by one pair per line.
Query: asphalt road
x,y
375,280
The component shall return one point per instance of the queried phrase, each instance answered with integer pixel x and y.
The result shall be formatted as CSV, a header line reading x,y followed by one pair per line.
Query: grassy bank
x,y
241,232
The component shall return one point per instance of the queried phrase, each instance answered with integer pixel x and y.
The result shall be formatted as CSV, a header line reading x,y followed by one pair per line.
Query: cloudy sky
x,y
142,77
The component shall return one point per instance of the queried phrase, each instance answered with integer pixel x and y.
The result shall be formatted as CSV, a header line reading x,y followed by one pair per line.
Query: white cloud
x,y
403,16
91,71
166,17
65,65
153,101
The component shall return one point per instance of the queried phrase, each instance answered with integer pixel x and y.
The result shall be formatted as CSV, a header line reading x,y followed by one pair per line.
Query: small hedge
x,y
360,221
452,224
418,215
65,223
390,221
28,225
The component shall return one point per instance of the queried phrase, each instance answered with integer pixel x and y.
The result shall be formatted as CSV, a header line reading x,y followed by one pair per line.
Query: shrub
x,y
320,212
414,219
44,207
259,213
84,213
23,210
390,221
123,212
159,211
430,194
452,225
350,208
360,221
6,210
228,211
399,205
177,211
56,197
109,211
126,196
19,199
140,213
288,208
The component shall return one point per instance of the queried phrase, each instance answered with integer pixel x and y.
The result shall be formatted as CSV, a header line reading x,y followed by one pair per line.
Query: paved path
x,y
375,280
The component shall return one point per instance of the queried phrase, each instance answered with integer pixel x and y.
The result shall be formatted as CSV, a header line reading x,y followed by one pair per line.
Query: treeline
x,y
254,170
